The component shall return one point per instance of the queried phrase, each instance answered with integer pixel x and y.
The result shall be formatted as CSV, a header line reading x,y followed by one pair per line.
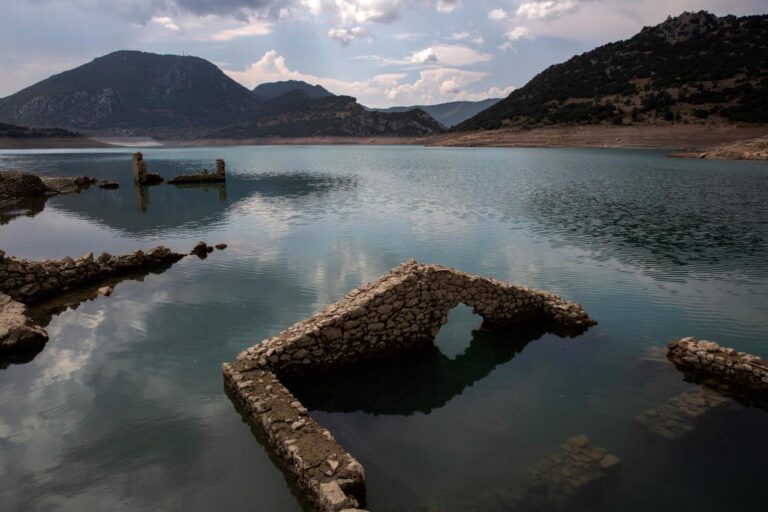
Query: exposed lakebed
x,y
125,409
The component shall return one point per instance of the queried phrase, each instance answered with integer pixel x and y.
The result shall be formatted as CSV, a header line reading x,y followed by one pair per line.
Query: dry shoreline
x,y
51,143
687,138
672,137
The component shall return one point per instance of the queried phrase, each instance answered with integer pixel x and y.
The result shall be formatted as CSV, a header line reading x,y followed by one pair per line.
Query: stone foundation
x,y
29,281
402,310
724,364
202,177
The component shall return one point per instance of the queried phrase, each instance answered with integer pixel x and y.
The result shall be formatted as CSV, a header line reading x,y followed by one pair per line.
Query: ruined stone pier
x,y
709,359
140,174
400,311
202,177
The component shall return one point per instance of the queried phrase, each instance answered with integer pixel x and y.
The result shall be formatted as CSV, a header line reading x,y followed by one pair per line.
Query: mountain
x,y
695,68
133,92
271,90
296,114
449,114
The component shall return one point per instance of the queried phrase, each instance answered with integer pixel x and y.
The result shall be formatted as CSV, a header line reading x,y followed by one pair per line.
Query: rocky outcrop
x,y
402,310
18,186
30,281
751,149
17,332
203,176
709,359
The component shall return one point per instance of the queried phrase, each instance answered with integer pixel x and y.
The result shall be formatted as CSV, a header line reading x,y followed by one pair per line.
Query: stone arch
x,y
402,310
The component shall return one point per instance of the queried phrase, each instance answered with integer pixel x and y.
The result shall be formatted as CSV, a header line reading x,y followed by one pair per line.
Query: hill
x,y
271,90
295,114
133,92
695,68
448,114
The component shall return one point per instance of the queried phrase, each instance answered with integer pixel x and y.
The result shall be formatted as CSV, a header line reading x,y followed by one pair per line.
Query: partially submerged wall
x,y
725,364
30,281
202,177
402,310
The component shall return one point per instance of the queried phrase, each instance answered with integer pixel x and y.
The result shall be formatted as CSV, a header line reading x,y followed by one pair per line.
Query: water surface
x,y
124,409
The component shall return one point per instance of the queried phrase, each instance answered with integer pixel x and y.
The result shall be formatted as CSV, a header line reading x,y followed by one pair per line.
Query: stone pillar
x,y
139,169
220,167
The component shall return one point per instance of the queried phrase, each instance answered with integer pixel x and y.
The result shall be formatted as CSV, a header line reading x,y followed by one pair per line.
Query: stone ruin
x,y
400,311
707,358
140,174
202,177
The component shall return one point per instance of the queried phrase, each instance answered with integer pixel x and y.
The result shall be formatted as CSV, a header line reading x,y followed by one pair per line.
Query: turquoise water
x,y
125,410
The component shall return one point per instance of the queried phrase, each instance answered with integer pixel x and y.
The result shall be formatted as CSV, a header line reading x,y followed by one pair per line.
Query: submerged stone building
x,y
400,311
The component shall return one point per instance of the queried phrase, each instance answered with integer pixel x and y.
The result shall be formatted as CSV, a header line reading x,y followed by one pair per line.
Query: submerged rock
x,y
17,333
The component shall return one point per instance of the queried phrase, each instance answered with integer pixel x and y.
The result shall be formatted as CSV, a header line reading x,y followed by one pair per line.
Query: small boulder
x,y
106,291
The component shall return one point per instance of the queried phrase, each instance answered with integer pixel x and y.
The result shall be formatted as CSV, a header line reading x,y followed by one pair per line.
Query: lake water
x,y
125,410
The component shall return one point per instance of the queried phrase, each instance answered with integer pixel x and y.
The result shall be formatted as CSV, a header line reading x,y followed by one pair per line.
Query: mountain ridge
x,y
694,68
449,113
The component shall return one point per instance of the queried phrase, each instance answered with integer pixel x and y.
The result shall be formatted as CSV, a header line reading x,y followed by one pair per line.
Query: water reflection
x,y
662,221
416,381
165,209
26,208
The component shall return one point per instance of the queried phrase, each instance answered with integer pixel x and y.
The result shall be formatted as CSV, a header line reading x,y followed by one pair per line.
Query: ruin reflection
x,y
422,380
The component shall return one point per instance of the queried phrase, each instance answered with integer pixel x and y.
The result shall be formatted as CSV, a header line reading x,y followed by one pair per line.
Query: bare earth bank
x,y
50,143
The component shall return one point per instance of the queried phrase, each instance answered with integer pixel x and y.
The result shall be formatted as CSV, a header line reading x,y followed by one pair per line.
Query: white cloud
x,y
346,35
448,5
497,14
460,36
546,9
424,56
165,22
408,36
518,33
433,85
442,54
252,29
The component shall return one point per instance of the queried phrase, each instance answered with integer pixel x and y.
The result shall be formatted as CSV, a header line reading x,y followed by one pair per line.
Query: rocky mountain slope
x,y
448,114
271,90
133,92
695,68
295,114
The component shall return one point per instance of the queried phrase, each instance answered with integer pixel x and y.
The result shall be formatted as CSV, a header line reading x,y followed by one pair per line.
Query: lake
x,y
125,409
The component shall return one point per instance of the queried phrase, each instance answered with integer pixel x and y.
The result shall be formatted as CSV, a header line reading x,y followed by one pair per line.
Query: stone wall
x,y
400,311
140,174
30,281
202,177
725,364
404,308
331,478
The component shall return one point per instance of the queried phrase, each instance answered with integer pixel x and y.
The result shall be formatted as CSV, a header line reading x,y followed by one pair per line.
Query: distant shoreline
x,y
50,143
678,138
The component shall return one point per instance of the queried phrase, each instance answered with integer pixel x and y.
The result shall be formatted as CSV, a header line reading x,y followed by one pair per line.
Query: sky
x,y
385,53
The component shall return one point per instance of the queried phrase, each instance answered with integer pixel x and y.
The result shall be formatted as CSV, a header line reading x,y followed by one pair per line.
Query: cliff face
x,y
297,115
695,68
133,92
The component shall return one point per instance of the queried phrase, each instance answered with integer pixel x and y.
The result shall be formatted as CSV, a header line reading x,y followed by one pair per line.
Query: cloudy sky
x,y
396,52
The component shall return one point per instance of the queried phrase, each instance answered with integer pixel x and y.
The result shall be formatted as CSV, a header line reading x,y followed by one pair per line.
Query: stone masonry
x,y
30,281
140,174
402,310
204,176
25,282
724,364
